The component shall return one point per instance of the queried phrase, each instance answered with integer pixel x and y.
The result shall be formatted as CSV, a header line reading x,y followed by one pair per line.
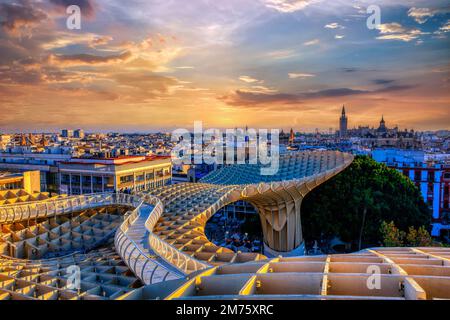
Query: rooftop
x,y
120,160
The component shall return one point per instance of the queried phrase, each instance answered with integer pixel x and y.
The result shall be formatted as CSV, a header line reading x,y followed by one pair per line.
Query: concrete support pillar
x,y
145,181
279,206
281,224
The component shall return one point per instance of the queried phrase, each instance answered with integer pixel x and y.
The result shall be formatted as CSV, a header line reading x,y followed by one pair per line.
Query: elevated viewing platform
x,y
153,246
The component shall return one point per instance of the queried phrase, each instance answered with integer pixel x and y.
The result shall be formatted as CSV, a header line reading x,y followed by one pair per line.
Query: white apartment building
x,y
124,174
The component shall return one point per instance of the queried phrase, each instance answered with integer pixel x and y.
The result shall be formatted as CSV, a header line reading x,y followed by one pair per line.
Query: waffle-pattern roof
x,y
162,238
404,274
15,196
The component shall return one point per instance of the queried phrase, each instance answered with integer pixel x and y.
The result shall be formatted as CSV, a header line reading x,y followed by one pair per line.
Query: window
x,y
97,180
417,175
126,179
65,179
86,180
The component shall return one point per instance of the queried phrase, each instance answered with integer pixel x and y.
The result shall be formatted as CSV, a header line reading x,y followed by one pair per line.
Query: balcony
x,y
125,184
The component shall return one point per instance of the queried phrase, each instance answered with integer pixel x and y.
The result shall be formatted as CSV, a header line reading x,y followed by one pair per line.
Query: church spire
x,y
291,136
382,127
343,121
23,140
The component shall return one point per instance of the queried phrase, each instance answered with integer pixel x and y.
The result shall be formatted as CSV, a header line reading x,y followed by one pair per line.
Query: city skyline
x,y
152,66
224,151
331,130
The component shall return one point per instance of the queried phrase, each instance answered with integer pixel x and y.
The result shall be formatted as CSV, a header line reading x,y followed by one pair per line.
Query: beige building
x,y
5,139
124,174
28,181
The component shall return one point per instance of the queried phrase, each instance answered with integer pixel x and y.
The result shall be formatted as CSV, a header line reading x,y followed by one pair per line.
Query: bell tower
x,y
343,124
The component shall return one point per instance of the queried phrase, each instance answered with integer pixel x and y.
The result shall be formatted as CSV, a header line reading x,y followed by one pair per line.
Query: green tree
x,y
423,237
353,204
363,200
412,237
394,237
391,235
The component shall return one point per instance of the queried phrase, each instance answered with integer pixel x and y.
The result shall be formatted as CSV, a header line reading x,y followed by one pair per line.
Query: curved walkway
x,y
188,206
131,243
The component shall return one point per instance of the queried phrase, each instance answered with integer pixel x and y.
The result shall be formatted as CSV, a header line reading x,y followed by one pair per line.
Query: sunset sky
x,y
147,65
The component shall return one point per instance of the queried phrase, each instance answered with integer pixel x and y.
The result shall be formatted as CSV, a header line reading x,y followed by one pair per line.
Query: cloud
x,y
300,75
248,79
86,6
395,31
312,42
334,25
327,93
441,69
445,27
394,88
88,59
17,19
282,54
244,98
100,41
350,70
391,28
64,39
146,82
258,90
287,6
84,70
17,74
339,36
382,81
421,15
248,98
251,98
38,58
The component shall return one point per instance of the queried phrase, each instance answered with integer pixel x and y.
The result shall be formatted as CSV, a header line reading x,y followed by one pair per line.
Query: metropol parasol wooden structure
x,y
153,245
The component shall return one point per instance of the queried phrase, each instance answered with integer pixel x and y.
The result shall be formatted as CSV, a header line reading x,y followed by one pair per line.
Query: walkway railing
x,y
183,262
49,208
144,266
141,263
